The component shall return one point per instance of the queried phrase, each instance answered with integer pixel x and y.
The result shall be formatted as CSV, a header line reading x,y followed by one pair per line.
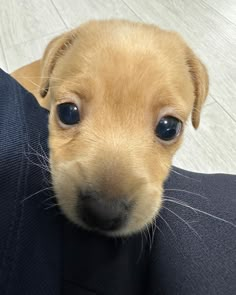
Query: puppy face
x,y
120,93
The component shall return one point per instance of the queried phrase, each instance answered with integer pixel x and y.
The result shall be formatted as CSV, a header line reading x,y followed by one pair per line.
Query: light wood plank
x,y
22,21
227,8
211,36
76,12
3,64
207,25
20,55
211,148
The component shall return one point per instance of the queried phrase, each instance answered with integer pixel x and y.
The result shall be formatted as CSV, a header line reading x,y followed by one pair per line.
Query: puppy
x,y
119,95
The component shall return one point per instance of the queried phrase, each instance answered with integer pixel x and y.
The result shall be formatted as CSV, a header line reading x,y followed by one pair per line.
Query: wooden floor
x,y
209,26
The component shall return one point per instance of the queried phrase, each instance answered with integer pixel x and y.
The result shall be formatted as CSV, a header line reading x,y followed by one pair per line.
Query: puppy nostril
x,y
103,214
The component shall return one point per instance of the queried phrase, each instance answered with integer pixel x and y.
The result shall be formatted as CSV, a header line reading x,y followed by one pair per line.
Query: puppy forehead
x,y
139,62
138,87
125,49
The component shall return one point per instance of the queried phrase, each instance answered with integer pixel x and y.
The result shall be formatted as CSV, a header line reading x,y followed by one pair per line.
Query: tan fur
x,y
29,77
124,77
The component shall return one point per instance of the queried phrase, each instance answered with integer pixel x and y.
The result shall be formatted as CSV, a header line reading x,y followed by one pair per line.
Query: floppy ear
x,y
200,80
55,49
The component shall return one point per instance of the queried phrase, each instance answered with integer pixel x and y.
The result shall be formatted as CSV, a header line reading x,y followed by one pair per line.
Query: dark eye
x,y
68,113
168,128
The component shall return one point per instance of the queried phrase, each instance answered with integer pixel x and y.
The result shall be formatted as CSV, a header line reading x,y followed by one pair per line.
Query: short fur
x,y
124,77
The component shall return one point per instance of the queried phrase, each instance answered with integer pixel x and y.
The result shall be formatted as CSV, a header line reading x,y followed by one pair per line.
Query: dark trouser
x,y
191,250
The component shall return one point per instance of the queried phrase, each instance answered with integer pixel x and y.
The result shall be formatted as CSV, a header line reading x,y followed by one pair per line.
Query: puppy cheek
x,y
149,199
65,191
146,209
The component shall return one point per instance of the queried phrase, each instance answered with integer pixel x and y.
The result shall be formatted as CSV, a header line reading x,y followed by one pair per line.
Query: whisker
x,y
36,193
141,248
158,228
168,225
204,212
38,155
185,191
152,236
50,198
184,221
188,177
43,160
51,206
149,236
47,77
40,165
179,202
42,155
31,81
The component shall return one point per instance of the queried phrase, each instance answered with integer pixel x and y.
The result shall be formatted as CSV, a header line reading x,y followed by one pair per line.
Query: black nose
x,y
101,214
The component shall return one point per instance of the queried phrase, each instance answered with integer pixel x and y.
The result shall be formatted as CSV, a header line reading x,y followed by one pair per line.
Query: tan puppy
x,y
120,94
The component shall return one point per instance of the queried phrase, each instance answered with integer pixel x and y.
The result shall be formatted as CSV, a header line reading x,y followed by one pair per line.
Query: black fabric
x,y
29,235
188,252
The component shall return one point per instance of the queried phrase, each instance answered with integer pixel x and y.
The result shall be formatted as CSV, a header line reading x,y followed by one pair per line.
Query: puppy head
x,y
120,93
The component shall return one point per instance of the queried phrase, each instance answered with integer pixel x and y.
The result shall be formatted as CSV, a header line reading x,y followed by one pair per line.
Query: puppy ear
x,y
55,49
200,80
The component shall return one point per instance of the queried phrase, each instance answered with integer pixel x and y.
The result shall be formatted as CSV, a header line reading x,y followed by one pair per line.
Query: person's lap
x,y
190,250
